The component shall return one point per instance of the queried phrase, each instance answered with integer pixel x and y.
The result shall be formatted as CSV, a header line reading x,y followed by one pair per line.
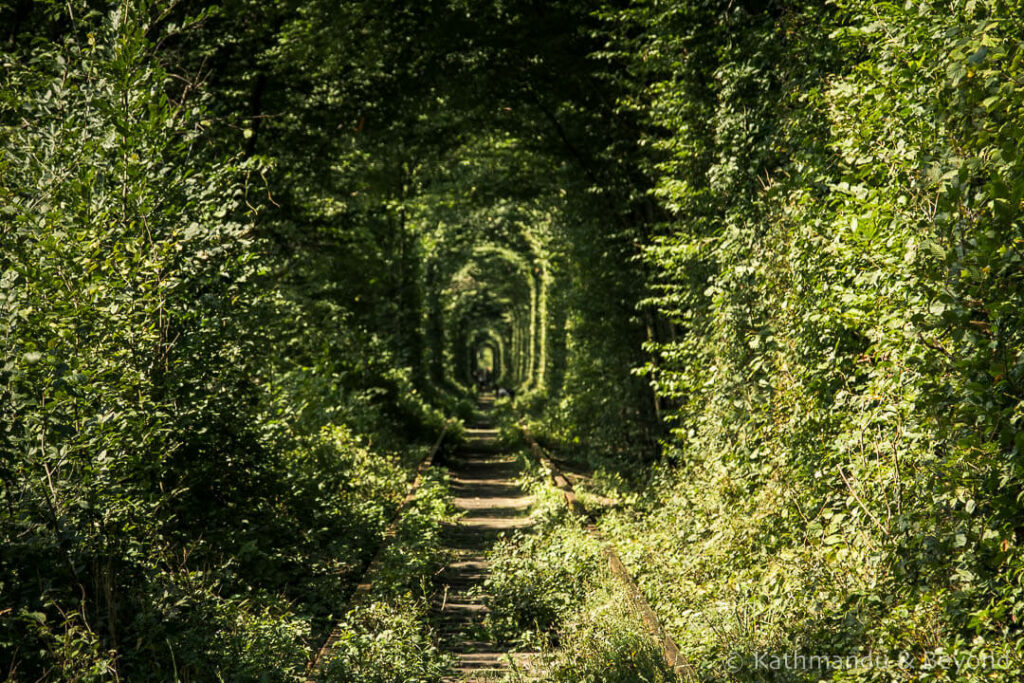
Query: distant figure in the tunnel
x,y
483,379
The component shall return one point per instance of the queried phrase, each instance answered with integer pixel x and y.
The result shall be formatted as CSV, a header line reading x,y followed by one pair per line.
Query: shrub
x,y
536,578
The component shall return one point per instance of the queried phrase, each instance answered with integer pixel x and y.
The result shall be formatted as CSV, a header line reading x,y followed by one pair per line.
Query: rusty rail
x,y
670,651
362,589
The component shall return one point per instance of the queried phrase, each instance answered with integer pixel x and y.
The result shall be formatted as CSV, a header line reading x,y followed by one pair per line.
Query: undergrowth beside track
x,y
387,637
551,592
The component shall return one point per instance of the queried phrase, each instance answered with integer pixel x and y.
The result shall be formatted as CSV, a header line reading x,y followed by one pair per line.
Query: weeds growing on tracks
x,y
388,638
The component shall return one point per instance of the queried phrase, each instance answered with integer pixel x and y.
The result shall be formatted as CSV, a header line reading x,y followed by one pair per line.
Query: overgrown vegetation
x,y
551,595
759,264
387,637
539,575
841,261
200,448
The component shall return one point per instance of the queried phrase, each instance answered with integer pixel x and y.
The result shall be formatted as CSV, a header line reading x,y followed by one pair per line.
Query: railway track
x,y
491,504
482,480
675,659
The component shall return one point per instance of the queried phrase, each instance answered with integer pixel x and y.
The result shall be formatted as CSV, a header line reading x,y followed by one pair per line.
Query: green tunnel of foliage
x,y
764,258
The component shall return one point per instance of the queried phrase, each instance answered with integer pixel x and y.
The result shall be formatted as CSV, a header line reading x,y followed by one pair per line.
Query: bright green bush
x,y
537,578
602,640
197,453
388,638
386,642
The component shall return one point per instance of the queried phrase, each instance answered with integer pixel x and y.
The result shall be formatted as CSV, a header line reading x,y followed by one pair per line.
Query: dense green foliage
x,y
759,263
549,596
200,442
842,262
387,637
